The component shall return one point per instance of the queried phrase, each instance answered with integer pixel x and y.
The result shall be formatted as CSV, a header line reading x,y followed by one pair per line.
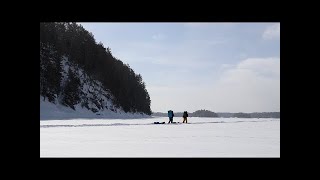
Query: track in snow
x,y
137,124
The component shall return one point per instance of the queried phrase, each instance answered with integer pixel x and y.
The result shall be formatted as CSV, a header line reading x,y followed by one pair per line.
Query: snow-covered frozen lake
x,y
201,137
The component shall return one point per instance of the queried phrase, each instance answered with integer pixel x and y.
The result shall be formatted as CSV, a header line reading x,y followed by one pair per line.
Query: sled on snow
x,y
159,122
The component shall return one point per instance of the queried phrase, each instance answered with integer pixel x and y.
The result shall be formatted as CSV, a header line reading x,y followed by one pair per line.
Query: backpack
x,y
185,114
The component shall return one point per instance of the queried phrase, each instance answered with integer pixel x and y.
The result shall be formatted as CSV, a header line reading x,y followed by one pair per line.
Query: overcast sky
x,y
222,67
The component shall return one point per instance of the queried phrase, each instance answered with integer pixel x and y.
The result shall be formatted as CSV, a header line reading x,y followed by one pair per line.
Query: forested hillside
x,y
75,69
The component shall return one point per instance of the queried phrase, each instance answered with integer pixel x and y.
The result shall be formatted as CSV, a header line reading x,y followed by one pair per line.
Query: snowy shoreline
x,y
50,111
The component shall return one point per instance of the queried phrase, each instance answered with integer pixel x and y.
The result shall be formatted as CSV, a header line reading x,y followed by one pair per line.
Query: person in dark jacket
x,y
170,115
185,115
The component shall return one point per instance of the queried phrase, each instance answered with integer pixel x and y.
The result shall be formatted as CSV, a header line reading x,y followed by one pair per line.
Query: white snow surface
x,y
201,137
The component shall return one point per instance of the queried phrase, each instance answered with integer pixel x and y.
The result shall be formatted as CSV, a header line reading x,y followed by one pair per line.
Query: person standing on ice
x,y
170,115
185,115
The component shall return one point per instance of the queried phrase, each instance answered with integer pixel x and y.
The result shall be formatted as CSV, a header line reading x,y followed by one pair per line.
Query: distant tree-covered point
x,y
204,113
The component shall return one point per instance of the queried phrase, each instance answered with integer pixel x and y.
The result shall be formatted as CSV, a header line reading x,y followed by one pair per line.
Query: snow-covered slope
x,y
50,111
95,101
